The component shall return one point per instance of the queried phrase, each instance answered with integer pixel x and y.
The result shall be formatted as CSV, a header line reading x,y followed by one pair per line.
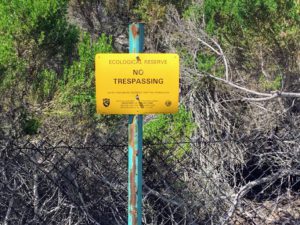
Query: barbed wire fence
x,y
193,182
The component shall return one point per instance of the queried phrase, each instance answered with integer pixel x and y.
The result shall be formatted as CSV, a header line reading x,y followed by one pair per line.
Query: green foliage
x,y
77,89
36,24
45,85
10,77
153,11
34,36
186,58
273,85
31,126
29,123
270,19
42,57
170,129
208,63
250,30
6,51
193,12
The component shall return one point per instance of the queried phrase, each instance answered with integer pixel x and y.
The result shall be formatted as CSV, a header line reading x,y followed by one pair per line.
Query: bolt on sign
x,y
137,83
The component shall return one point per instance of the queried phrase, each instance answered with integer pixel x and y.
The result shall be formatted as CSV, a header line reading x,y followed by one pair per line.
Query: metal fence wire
x,y
185,183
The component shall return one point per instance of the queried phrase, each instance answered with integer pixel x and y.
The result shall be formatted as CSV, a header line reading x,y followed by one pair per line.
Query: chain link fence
x,y
186,183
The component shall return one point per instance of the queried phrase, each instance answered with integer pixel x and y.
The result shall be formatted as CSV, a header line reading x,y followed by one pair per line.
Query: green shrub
x,y
193,11
34,36
250,31
150,11
29,123
45,85
272,85
273,20
77,89
174,130
31,126
153,11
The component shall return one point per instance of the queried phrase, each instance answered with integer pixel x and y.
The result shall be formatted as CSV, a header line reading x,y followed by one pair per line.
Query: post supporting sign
x,y
135,141
135,84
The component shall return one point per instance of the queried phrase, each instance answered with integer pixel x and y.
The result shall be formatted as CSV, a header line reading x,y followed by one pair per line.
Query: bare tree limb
x,y
10,204
246,188
266,96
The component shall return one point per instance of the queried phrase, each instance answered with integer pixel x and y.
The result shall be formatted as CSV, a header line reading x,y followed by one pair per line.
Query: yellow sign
x,y
137,83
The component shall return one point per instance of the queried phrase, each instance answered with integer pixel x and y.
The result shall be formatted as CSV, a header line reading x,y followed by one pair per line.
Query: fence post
x,y
135,141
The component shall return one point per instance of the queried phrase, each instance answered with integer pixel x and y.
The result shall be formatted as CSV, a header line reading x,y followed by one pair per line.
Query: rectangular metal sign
x,y
137,83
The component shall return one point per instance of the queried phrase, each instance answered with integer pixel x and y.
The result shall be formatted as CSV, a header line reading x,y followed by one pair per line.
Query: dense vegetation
x,y
240,72
47,55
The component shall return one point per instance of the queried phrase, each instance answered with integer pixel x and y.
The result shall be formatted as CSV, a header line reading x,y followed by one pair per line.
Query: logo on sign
x,y
168,103
106,102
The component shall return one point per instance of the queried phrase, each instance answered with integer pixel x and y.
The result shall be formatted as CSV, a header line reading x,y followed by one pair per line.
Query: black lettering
x,y
138,72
